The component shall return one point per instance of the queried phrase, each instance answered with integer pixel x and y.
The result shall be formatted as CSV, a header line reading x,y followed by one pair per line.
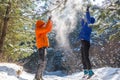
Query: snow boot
x,y
85,73
90,74
38,79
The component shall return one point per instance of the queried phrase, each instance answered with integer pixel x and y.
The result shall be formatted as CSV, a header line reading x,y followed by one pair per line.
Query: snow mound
x,y
10,71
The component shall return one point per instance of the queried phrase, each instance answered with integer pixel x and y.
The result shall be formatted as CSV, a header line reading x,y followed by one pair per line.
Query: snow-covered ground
x,y
8,72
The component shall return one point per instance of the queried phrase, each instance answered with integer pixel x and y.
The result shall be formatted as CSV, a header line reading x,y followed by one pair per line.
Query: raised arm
x,y
49,25
88,14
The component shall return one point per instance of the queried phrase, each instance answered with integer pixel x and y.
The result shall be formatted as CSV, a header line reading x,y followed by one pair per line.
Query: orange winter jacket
x,y
41,31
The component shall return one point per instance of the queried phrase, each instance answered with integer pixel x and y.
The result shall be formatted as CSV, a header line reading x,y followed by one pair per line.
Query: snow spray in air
x,y
64,19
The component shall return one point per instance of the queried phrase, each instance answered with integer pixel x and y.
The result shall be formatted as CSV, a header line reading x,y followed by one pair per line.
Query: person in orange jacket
x,y
42,42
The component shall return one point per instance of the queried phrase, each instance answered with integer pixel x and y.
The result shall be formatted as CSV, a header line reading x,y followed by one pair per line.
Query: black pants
x,y
85,54
41,63
41,54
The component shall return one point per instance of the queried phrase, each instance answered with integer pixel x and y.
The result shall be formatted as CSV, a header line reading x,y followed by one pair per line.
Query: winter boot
x,y
85,73
90,74
40,78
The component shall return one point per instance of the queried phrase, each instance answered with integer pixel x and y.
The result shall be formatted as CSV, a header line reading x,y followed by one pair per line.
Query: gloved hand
x,y
88,6
50,17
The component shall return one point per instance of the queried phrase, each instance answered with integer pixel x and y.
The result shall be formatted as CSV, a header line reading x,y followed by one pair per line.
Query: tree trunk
x,y
0,27
4,27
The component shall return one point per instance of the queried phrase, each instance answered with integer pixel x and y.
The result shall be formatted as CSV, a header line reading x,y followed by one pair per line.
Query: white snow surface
x,y
8,72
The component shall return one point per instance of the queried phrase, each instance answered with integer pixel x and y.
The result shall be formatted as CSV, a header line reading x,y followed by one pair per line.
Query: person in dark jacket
x,y
84,36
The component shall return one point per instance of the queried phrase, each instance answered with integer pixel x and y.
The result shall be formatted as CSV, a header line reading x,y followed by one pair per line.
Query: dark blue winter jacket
x,y
85,29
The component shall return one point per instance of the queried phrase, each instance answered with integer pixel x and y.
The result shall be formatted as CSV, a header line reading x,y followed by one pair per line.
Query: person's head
x,y
92,20
39,23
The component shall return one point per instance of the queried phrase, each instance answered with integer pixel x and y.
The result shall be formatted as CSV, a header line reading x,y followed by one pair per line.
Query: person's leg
x,y
41,64
86,51
83,55
90,72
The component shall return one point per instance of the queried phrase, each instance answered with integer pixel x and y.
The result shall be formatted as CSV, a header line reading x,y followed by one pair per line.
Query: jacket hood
x,y
92,20
39,23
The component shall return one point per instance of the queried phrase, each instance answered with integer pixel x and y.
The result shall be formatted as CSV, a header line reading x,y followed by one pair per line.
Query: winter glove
x,y
88,6
50,17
